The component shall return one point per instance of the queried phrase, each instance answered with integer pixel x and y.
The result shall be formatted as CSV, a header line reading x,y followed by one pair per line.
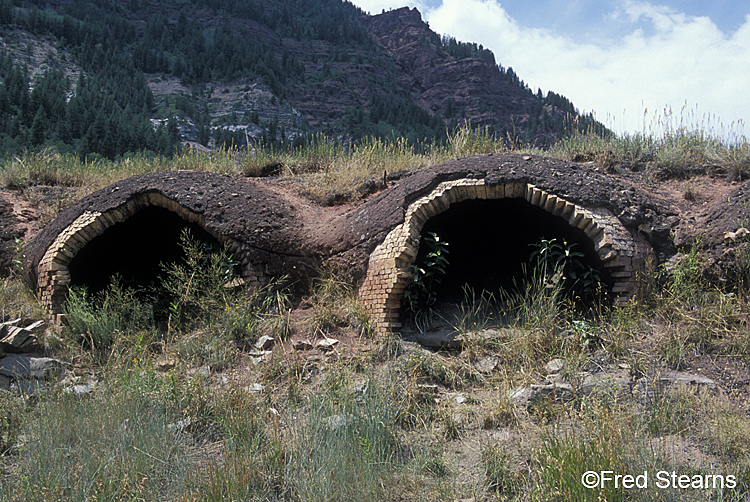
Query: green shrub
x,y
97,321
421,292
194,288
262,310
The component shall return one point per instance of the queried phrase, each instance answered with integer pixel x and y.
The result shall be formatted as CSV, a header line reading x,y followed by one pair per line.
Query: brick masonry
x,y
622,252
243,217
53,276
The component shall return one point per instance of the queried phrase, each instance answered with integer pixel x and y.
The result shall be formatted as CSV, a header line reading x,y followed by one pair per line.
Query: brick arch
x,y
53,274
623,253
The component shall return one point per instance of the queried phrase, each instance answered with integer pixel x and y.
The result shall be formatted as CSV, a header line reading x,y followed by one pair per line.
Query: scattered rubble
x,y
327,344
17,336
265,342
616,381
301,345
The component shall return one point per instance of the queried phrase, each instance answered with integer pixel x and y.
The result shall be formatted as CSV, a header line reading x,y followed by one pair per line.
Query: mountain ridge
x,y
223,72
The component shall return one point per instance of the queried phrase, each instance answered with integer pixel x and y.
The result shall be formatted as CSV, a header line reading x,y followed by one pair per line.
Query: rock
x,y
31,386
265,342
180,425
459,419
203,370
7,324
301,345
519,395
441,339
649,389
554,366
678,378
485,334
20,338
487,364
740,233
5,382
428,388
501,435
81,389
27,367
35,327
327,343
616,384
559,392
236,283
358,387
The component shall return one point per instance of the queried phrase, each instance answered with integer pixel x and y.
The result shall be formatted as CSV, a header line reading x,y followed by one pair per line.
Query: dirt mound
x,y
289,234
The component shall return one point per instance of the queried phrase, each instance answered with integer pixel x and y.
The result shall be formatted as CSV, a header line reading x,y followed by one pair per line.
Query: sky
x,y
637,65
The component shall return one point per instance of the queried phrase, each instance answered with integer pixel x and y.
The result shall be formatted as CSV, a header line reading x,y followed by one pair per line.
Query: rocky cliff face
x,y
406,61
478,90
329,84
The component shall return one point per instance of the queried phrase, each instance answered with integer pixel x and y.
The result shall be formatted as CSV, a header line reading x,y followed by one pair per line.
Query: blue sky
x,y
625,60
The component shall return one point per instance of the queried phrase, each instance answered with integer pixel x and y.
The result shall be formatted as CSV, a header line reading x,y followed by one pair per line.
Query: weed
x,y
101,320
17,300
734,157
476,313
206,347
335,305
689,191
433,368
672,413
13,415
451,427
196,285
434,463
502,414
500,477
466,141
416,404
116,445
344,449
686,281
265,309
421,292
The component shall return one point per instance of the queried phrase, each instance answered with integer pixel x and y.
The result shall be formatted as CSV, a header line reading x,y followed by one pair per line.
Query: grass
x,y
331,172
381,423
377,427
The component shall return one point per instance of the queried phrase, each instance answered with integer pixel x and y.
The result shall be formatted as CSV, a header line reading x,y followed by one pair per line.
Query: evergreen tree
x,y
38,128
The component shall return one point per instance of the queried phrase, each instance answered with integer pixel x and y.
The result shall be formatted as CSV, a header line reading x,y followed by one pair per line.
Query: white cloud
x,y
665,58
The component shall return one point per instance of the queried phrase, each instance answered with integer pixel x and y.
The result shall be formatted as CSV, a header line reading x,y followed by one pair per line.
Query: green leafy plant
x,y
421,293
561,264
194,288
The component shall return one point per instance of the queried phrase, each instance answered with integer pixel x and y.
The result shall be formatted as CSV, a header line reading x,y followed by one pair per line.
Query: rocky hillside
x,y
220,72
